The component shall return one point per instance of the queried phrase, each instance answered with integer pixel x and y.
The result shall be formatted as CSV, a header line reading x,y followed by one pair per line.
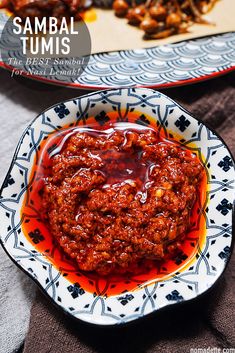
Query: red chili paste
x,y
116,199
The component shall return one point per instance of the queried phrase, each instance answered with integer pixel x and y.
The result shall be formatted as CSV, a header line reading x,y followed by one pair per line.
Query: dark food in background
x,y
44,8
121,200
162,18
157,18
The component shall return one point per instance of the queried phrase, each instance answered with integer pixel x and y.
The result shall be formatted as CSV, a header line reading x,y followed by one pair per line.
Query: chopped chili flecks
x,y
119,198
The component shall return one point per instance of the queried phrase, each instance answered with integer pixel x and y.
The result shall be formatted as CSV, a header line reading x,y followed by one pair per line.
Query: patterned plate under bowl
x,y
157,67
96,299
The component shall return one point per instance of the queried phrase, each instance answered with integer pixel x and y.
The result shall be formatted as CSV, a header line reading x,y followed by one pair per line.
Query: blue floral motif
x,y
61,110
182,123
102,118
175,296
125,299
226,163
75,290
225,253
224,207
36,236
8,181
180,258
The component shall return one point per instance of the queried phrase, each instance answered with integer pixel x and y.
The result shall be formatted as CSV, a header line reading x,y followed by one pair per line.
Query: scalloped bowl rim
x,y
93,319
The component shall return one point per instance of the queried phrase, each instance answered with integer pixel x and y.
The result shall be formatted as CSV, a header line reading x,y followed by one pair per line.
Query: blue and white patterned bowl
x,y
157,67
211,257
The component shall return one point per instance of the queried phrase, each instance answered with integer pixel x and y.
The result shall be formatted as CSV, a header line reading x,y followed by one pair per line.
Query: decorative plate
x,y
157,67
81,295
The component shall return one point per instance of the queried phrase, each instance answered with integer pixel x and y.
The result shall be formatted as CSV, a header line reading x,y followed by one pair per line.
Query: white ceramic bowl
x,y
95,306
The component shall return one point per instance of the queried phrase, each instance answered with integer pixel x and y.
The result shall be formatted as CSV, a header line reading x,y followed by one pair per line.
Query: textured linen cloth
x,y
208,322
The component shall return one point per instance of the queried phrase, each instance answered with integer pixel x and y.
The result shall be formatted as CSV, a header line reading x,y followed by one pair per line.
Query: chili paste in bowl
x,y
120,198
118,204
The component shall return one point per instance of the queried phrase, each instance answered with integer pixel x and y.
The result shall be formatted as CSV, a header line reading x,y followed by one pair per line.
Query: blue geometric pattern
x,y
226,163
189,282
61,110
76,290
152,67
182,123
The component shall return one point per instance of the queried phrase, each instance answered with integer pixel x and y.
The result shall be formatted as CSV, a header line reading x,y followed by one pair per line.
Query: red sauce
x,y
133,169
